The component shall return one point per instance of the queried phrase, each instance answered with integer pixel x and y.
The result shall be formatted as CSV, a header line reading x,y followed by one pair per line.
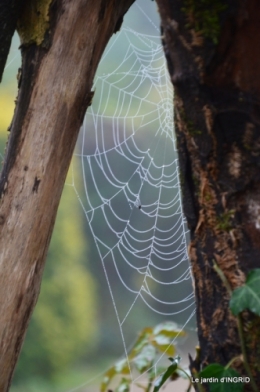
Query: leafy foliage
x,y
150,343
248,295
221,373
167,374
121,368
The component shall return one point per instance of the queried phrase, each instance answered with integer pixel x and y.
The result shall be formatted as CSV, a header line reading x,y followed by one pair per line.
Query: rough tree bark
x,y
62,42
213,58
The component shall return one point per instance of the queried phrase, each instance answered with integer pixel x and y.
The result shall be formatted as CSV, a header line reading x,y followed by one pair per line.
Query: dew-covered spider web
x,y
125,177
131,189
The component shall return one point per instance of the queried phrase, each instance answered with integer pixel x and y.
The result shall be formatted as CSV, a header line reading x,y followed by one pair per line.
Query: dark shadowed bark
x,y
62,42
212,49
9,12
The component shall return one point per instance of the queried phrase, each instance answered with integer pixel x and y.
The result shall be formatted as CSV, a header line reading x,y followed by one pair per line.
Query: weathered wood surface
x,y
57,76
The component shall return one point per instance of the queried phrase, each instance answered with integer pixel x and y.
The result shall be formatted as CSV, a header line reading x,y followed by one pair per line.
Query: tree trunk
x,y
62,42
212,49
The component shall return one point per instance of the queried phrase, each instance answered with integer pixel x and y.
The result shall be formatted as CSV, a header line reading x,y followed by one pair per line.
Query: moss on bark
x,y
34,22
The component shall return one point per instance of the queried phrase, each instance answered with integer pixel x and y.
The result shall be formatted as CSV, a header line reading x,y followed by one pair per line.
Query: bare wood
x,y
55,92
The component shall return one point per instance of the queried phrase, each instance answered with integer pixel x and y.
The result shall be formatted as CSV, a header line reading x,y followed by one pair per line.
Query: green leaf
x,y
153,372
167,349
220,374
121,367
163,343
107,378
124,386
143,340
167,374
248,295
145,359
168,329
143,354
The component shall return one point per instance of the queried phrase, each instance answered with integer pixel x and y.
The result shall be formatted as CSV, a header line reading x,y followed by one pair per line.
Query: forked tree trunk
x,y
62,42
214,61
212,49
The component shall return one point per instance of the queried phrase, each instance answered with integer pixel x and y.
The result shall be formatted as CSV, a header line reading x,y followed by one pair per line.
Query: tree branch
x,y
57,77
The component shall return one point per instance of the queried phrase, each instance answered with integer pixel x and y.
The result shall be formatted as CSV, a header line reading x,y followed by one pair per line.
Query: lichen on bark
x,y
34,21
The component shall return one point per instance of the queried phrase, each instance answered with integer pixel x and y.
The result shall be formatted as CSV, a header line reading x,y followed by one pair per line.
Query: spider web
x,y
129,169
128,185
